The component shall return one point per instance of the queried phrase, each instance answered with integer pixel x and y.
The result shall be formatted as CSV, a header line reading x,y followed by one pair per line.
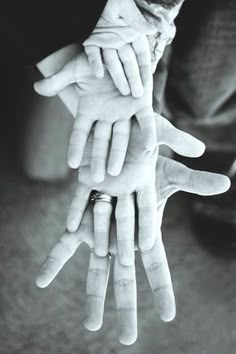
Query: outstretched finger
x,y
125,221
203,183
142,51
102,220
95,60
59,255
147,217
182,178
52,85
147,124
101,140
182,143
79,136
158,273
125,293
114,66
131,68
133,17
97,280
119,145
78,207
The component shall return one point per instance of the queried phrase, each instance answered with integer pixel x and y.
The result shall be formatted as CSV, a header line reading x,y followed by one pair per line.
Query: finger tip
x,y
92,325
98,177
168,313
113,170
100,252
202,148
168,317
43,90
198,149
73,164
72,226
36,87
125,91
41,282
223,184
146,246
226,183
128,338
137,93
71,229
127,260
93,316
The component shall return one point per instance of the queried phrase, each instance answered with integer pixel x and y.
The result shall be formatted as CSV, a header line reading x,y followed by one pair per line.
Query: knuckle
x,y
124,283
97,271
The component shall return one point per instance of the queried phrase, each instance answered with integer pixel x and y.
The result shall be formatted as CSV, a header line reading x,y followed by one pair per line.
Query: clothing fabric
x,y
201,88
42,27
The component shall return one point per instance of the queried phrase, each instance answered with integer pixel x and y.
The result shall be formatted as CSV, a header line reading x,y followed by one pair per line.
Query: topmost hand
x,y
119,40
101,102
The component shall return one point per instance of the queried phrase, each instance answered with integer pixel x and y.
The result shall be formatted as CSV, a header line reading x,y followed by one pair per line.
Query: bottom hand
x,y
171,177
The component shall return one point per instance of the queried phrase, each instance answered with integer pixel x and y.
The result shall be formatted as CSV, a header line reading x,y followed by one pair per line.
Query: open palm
x,y
135,184
154,261
101,102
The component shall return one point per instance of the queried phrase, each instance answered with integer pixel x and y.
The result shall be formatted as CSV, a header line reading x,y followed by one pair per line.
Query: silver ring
x,y
109,255
101,197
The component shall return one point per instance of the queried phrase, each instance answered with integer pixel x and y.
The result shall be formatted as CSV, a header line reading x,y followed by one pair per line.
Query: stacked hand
x,y
119,40
171,178
101,102
136,182
115,141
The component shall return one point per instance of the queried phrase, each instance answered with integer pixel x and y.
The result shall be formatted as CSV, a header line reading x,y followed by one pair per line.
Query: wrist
x,y
161,14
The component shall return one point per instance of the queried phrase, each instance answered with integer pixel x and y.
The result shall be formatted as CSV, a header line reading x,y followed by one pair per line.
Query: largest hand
x,y
101,102
172,177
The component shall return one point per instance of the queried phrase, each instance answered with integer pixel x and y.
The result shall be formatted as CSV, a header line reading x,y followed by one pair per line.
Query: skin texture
x,y
119,40
123,48
171,178
101,102
139,170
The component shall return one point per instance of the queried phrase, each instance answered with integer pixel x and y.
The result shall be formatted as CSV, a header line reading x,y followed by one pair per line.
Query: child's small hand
x,y
127,64
119,41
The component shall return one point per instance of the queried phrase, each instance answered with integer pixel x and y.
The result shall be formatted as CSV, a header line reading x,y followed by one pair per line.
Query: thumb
x,y
182,143
134,18
52,85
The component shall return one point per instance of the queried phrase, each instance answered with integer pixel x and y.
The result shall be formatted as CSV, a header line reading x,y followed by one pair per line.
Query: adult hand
x,y
136,181
171,177
100,101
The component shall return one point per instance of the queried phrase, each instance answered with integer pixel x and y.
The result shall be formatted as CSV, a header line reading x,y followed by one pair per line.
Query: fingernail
x,y
101,252
125,91
72,225
137,92
73,160
113,170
